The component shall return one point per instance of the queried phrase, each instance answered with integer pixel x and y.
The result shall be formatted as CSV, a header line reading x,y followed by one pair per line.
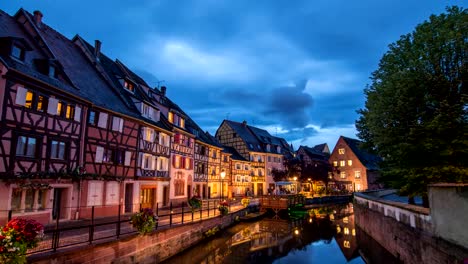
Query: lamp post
x,y
223,174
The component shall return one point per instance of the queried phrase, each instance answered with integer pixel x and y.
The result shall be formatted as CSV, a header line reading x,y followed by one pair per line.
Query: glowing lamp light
x,y
296,232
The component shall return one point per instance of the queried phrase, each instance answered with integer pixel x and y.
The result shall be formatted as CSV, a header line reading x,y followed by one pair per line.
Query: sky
x,y
295,68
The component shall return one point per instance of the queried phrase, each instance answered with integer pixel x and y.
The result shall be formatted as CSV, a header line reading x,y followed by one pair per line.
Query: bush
x,y
145,221
195,202
223,208
16,237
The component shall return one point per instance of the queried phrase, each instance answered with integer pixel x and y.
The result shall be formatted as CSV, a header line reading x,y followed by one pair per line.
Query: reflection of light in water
x,y
296,232
353,232
346,244
346,231
310,220
338,229
332,217
345,220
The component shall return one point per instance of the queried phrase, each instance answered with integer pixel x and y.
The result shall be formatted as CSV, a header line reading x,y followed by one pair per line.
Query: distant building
x,y
313,156
358,169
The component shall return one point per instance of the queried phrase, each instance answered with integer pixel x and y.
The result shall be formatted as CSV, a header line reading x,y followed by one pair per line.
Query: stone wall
x,y
404,230
449,211
153,248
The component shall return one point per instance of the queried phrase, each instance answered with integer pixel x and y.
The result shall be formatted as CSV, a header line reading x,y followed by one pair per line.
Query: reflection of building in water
x,y
345,231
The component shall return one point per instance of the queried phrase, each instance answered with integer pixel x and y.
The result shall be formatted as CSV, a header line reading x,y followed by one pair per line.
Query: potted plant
x,y
16,237
145,221
195,202
223,208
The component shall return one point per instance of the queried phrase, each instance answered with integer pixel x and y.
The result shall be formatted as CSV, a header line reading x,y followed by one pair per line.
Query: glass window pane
x,y
16,199
21,146
61,152
31,148
29,99
53,149
29,200
41,199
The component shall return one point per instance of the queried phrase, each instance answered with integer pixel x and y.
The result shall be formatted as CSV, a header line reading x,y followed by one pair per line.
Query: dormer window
x,y
170,117
18,52
278,149
268,147
129,86
52,71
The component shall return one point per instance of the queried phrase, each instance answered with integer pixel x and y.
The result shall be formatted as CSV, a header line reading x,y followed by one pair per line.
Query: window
x,y
92,119
268,148
342,175
177,161
112,193
335,163
148,134
278,149
357,174
52,71
188,163
129,86
238,166
60,108
17,52
164,139
95,193
269,172
342,163
163,164
182,122
108,156
350,162
179,184
269,159
70,112
146,162
170,117
28,200
26,146
145,110
341,151
246,167
358,186
29,99
119,156
57,149
102,122
42,103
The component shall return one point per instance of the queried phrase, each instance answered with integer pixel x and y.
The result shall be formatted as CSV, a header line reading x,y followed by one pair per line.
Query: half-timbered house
x,y
241,181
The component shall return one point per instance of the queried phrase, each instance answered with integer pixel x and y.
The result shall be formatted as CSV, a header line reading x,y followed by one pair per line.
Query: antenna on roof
x,y
159,82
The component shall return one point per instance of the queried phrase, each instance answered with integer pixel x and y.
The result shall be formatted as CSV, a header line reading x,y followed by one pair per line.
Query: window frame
x,y
25,151
65,150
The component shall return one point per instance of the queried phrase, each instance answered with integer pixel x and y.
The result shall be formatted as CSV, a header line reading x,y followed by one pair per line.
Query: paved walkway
x,y
79,232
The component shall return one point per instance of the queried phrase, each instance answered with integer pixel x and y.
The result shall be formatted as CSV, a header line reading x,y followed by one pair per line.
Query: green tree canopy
x,y
415,116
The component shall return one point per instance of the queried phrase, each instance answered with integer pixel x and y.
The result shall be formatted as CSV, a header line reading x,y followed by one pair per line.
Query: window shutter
x,y
128,158
156,115
115,123
102,120
191,164
121,122
141,160
52,108
150,112
99,154
174,161
144,133
77,113
20,96
153,162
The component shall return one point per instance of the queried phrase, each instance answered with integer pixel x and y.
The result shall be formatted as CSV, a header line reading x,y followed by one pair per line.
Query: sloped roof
x,y
321,147
246,134
234,154
367,159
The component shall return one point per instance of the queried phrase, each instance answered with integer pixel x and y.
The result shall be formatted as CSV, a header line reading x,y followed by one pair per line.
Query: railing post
x,y
140,207
208,208
91,227
170,216
201,212
118,220
192,215
55,238
10,214
157,209
183,212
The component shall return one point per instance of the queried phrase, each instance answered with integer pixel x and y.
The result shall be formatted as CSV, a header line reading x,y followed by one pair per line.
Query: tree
x,y
415,116
292,169
318,170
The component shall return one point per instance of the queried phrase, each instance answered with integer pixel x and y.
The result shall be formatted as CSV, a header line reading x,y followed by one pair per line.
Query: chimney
x,y
244,123
38,18
163,90
97,49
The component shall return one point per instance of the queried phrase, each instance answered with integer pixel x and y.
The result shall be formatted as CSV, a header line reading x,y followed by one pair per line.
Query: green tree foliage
x,y
415,116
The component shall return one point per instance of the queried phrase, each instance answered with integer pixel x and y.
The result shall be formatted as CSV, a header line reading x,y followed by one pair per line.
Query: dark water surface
x,y
321,235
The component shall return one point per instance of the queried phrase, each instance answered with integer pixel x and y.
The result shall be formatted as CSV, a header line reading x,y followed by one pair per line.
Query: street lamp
x,y
223,174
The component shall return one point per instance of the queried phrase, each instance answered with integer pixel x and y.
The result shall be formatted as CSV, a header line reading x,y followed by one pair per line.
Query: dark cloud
x,y
301,134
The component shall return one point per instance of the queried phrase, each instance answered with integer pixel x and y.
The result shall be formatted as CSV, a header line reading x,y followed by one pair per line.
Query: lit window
x,y
92,120
342,163
335,163
357,174
187,163
238,166
70,112
29,99
170,117
346,244
59,108
177,162
148,134
42,103
182,123
26,146
341,151
342,175
350,162
246,167
358,186
57,149
129,86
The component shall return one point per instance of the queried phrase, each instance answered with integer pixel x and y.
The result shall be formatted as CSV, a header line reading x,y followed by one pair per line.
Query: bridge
x,y
281,202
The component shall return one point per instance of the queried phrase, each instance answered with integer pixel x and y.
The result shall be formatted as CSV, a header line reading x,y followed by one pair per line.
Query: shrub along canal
x,y
320,235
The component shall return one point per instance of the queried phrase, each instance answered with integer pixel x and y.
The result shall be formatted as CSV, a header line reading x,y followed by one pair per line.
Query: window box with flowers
x,y
223,208
16,237
145,221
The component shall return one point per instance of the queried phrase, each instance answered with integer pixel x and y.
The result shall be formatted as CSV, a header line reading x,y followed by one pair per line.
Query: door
x,y
189,191
204,191
209,192
129,197
59,203
165,196
259,189
147,197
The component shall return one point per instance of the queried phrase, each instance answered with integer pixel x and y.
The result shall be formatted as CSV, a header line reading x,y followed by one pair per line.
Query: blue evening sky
x,y
296,68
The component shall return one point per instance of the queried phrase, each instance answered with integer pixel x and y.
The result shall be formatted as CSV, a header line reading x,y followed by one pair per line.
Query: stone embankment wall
x,y
406,231
153,248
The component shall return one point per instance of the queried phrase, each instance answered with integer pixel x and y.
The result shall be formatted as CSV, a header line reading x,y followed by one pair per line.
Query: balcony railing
x,y
154,173
258,178
257,164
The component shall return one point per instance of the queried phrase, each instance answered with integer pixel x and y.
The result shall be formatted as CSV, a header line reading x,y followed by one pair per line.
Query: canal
x,y
319,235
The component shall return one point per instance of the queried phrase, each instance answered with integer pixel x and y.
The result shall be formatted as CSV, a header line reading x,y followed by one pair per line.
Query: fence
x,y
96,223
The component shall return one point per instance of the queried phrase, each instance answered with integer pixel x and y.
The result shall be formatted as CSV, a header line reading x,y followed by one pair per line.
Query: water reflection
x,y
321,235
